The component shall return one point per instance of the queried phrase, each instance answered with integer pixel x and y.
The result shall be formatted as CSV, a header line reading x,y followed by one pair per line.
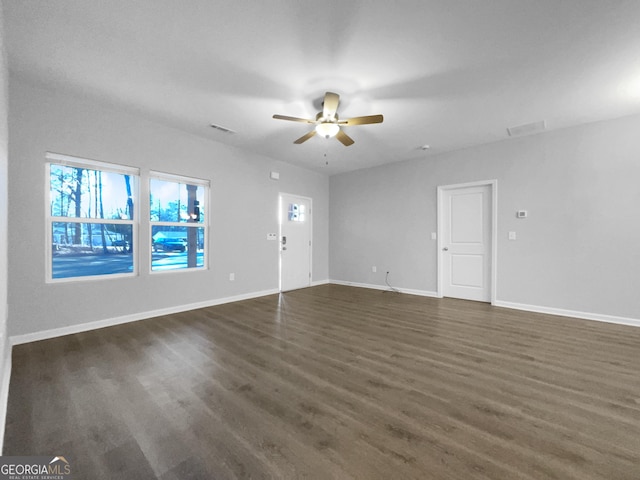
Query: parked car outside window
x,y
169,245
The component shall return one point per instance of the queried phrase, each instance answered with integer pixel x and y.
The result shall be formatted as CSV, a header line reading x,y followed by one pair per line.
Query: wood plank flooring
x,y
335,382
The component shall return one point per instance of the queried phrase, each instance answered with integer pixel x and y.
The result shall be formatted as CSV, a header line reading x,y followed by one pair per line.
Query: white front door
x,y
295,242
466,242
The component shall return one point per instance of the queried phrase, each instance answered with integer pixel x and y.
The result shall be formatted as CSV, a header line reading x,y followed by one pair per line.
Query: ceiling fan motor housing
x,y
321,119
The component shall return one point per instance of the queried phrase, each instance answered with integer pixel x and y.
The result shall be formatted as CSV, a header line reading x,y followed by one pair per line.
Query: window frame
x,y
185,180
50,219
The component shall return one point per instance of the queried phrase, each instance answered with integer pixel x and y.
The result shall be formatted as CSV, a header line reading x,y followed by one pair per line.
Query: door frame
x,y
280,221
493,185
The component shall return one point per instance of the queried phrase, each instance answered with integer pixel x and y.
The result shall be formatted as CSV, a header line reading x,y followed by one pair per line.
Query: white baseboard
x,y
109,322
84,327
517,306
409,291
4,392
570,313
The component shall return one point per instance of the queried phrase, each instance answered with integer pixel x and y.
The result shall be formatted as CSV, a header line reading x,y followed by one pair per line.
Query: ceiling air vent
x,y
527,129
221,128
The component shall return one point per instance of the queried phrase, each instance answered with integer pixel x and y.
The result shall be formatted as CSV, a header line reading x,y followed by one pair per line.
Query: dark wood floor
x,y
335,382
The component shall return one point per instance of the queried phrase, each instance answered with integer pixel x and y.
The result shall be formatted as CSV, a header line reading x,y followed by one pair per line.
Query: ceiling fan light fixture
x,y
327,130
327,123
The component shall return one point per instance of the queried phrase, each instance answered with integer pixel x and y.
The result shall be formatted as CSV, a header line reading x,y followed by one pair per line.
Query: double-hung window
x,y
91,225
178,221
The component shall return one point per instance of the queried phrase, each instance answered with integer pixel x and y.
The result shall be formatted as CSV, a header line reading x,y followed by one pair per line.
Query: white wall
x,y
579,250
244,205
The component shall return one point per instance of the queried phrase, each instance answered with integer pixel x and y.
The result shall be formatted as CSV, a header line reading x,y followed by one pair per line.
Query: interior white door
x,y
466,243
295,242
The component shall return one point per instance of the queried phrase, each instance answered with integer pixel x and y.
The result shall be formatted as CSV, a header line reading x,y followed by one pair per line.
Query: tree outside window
x,y
91,218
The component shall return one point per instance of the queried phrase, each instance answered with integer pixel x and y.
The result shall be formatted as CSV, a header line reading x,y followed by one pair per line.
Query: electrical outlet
x,y
232,277
512,235
374,269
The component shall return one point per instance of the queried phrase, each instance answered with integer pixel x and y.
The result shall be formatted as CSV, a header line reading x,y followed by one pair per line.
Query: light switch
x,y
433,236
512,235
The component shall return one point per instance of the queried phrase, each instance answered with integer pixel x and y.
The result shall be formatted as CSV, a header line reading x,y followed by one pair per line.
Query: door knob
x,y
446,249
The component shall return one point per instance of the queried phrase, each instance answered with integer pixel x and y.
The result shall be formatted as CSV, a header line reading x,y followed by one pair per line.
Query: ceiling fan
x,y
327,122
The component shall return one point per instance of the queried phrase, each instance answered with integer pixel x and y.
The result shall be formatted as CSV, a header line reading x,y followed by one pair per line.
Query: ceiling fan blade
x,y
345,139
330,105
293,119
306,137
362,120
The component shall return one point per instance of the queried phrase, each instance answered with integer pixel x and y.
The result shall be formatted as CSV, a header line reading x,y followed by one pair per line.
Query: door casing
x,y
493,184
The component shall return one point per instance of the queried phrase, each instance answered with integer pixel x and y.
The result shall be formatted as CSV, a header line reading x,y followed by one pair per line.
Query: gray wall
x,y
578,250
244,204
5,351
4,190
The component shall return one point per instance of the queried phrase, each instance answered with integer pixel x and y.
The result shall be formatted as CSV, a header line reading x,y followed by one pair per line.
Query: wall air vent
x,y
221,128
527,129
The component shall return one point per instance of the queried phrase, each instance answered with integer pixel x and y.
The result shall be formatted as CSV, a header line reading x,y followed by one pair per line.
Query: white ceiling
x,y
447,73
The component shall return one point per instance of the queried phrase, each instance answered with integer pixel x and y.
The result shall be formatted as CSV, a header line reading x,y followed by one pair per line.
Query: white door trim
x,y
280,221
494,231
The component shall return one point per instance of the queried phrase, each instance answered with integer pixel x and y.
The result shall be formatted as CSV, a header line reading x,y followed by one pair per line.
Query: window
x,y
296,212
178,222
90,221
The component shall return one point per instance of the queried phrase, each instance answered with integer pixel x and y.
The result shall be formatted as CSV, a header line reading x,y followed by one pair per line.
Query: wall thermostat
x,y
521,214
